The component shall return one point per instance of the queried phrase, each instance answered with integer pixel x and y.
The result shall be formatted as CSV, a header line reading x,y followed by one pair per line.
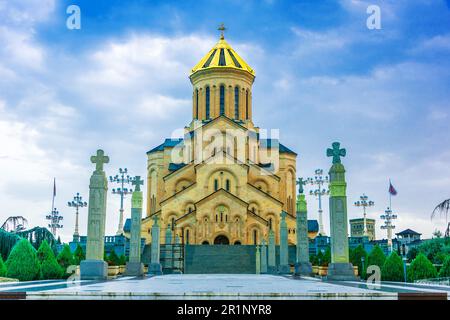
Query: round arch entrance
x,y
221,240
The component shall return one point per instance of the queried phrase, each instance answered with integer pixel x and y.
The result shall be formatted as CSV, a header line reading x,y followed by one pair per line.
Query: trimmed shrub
x,y
376,257
2,267
356,260
22,262
50,269
445,269
122,260
78,255
113,259
421,268
393,268
65,257
326,257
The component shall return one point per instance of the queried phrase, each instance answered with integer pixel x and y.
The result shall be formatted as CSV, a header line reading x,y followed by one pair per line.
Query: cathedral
x,y
225,182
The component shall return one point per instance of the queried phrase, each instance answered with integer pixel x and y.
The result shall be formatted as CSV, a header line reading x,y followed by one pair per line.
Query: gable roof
x,y
408,232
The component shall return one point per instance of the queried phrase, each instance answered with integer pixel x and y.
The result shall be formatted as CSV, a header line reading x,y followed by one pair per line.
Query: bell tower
x,y
222,85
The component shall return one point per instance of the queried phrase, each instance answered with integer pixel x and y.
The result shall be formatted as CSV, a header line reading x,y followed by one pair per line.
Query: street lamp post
x,y
362,266
388,216
55,218
364,202
319,181
76,203
122,178
404,267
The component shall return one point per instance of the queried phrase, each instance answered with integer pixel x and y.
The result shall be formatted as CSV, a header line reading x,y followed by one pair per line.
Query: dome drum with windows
x,y
222,85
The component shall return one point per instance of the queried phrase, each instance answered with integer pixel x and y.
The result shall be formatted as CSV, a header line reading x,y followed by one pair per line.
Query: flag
x,y
392,190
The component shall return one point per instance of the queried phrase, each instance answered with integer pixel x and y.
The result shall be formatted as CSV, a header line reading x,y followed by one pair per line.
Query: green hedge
x,y
113,259
50,269
393,268
377,257
22,262
445,269
78,255
421,268
356,255
2,267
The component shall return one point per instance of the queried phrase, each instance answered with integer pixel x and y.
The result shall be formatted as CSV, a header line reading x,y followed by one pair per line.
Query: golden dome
x,y
222,55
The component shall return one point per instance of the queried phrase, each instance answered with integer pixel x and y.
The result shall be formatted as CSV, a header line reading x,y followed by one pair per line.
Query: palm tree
x,y
443,208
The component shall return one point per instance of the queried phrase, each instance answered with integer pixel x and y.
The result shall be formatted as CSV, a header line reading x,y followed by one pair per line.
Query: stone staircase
x,y
202,259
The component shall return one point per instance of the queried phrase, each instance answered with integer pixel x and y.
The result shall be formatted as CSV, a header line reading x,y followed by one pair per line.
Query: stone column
x,y
168,248
258,260
284,261
272,267
94,268
340,268
155,265
134,266
177,256
302,264
263,257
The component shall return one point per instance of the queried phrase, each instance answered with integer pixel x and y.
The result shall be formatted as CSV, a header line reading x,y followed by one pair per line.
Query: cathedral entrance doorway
x,y
221,240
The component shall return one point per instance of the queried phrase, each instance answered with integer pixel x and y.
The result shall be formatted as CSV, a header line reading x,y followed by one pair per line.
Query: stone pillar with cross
x,y
94,268
271,259
340,268
302,264
263,256
134,266
155,264
284,258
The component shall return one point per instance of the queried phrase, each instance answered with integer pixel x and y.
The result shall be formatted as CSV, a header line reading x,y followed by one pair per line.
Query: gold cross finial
x,y
221,28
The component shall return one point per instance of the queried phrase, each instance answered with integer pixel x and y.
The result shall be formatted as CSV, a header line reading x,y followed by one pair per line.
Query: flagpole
x,y
53,200
390,194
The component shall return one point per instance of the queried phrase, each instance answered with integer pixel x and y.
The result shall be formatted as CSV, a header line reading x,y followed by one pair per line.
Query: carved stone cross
x,y
336,152
137,182
100,159
300,182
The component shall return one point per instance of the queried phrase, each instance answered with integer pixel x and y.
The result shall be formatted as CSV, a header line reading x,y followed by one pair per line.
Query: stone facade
x,y
222,183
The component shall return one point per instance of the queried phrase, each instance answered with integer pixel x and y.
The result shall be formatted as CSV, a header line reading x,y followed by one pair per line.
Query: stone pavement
x,y
217,286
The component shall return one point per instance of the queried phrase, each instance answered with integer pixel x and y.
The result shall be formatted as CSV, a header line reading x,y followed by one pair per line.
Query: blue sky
x,y
121,83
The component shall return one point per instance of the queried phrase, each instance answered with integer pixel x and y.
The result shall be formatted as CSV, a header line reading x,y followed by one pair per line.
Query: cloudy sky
x,y
121,83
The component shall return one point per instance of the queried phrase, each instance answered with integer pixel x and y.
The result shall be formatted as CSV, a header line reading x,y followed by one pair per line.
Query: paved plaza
x,y
217,286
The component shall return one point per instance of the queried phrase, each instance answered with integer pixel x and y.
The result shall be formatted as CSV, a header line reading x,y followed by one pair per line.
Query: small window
x,y
255,237
222,100
227,184
196,104
236,103
187,236
246,104
216,184
207,102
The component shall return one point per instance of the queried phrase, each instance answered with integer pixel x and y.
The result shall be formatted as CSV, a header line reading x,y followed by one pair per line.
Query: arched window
x,y
221,216
207,102
216,184
227,184
255,237
236,103
173,224
222,100
270,223
246,104
196,104
187,236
